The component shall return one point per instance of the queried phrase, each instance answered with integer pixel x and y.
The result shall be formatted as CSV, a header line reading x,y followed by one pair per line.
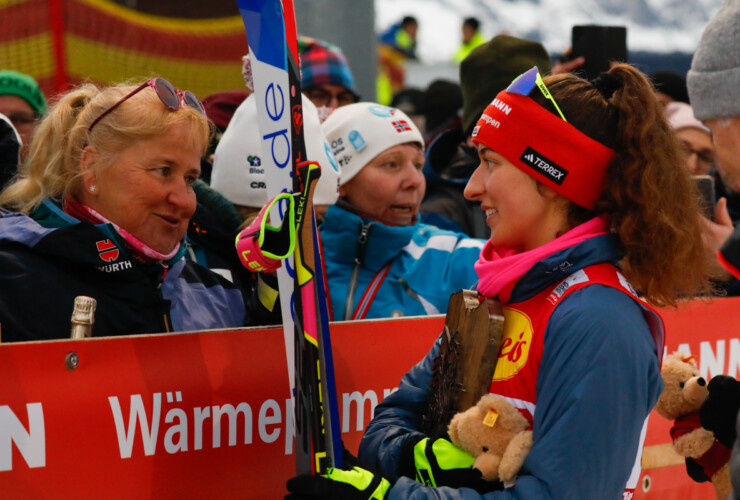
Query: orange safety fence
x,y
64,42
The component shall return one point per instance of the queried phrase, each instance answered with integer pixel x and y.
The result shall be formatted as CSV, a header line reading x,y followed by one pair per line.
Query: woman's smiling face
x,y
391,186
522,215
148,189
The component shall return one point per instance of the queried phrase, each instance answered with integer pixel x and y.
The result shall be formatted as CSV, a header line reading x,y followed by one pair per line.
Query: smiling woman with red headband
x,y
579,184
100,208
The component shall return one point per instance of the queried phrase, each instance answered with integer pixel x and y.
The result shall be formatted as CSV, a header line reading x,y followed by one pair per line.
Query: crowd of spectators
x,y
135,194
231,184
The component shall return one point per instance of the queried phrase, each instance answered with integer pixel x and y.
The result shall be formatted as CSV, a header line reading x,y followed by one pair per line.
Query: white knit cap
x,y
359,132
238,171
680,116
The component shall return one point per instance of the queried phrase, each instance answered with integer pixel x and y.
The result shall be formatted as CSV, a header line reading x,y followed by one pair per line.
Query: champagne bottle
x,y
83,317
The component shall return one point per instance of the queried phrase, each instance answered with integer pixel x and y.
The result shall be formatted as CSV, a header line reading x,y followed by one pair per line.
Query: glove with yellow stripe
x,y
338,484
438,462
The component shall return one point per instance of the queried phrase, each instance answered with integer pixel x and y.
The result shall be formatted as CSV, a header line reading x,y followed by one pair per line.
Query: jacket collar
x,y
340,232
562,264
50,215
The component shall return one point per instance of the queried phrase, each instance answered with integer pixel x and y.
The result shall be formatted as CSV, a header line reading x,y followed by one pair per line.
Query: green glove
x,y
355,484
438,462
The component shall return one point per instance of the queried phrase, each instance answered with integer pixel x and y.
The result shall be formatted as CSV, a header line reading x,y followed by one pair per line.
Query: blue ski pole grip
x,y
260,246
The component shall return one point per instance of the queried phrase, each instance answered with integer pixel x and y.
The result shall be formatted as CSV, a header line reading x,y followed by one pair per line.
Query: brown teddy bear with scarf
x,y
707,459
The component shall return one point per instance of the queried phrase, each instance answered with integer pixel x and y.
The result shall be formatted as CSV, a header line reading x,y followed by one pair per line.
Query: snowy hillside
x,y
652,25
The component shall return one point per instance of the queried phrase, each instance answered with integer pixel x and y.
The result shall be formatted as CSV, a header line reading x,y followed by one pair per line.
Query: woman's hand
x,y
338,484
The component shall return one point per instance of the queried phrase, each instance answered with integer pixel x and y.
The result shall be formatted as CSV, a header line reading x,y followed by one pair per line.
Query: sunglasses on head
x,y
171,97
524,83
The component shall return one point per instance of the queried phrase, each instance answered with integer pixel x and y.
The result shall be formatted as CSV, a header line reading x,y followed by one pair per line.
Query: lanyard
x,y
372,289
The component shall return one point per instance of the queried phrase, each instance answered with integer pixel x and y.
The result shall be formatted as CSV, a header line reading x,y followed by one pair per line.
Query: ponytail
x,y
648,193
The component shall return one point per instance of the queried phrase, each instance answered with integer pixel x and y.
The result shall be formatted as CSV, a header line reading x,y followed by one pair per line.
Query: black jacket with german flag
x,y
50,258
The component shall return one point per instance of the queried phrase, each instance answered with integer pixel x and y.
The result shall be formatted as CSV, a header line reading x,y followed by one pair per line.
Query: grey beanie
x,y
714,77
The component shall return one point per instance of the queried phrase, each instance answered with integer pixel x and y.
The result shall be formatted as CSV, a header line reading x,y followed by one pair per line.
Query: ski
x,y
271,36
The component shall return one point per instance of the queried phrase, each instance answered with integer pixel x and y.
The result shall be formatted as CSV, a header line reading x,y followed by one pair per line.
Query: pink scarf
x,y
141,251
499,272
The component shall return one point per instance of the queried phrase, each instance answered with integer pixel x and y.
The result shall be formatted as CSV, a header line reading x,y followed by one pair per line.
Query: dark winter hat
x,y
714,77
473,22
491,67
25,87
410,101
671,84
441,102
323,63
221,106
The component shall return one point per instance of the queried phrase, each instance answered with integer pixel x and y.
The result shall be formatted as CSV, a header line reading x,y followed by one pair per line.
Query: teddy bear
x,y
707,459
496,434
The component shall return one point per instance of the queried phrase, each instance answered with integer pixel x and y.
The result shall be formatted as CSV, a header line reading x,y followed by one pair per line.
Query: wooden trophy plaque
x,y
463,371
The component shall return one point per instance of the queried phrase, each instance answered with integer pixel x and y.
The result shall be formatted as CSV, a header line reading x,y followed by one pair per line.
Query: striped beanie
x,y
323,63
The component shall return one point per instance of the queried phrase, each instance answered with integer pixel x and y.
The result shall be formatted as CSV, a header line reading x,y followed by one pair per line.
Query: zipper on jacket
x,y
166,319
189,250
362,240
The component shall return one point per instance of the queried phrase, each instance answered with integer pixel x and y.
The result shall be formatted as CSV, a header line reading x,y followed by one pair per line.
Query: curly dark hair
x,y
649,196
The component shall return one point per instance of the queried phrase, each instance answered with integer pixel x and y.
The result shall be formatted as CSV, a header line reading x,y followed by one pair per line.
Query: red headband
x,y
544,146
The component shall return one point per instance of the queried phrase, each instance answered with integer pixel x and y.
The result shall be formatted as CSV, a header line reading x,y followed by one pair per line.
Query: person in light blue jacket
x,y
380,260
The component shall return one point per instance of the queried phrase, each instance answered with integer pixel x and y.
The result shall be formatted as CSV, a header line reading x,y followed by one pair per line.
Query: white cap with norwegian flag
x,y
359,132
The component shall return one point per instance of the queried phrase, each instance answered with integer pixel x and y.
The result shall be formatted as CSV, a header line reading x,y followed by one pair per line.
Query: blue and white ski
x,y
271,36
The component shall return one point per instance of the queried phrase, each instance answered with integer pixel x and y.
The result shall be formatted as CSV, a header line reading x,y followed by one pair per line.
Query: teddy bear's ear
x,y
487,402
453,428
683,358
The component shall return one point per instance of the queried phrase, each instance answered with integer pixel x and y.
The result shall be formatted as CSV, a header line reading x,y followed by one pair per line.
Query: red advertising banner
x,y
710,331
207,414
198,415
